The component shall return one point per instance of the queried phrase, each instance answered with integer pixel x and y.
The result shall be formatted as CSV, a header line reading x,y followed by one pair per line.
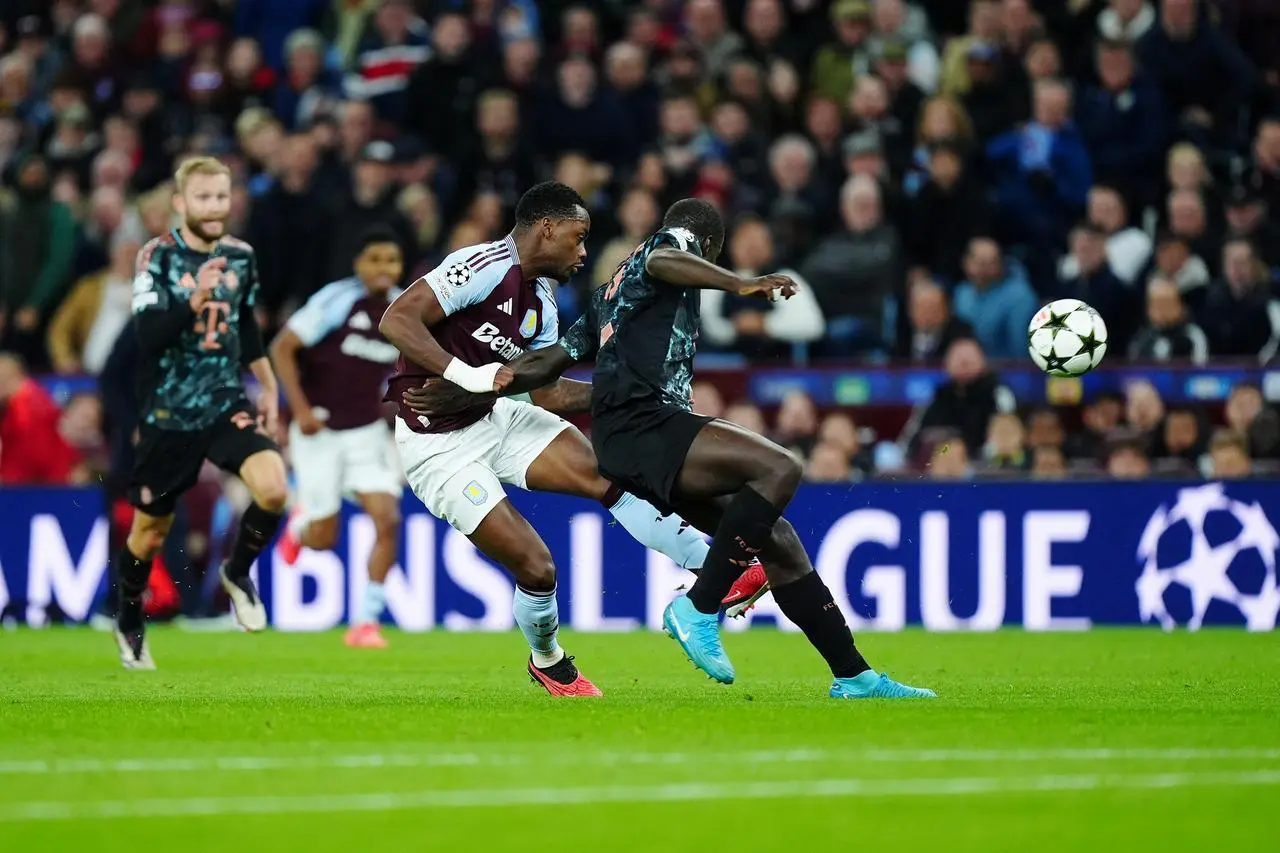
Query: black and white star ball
x,y
1067,338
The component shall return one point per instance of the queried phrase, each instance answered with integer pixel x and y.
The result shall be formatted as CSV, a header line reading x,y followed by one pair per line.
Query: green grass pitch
x,y
1107,740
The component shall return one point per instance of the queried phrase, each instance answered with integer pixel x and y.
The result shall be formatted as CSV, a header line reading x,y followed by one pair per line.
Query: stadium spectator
x,y
1174,260
289,215
395,43
766,37
581,117
983,29
1247,413
370,200
1205,78
902,29
1045,429
752,326
85,326
796,427
1169,334
1143,410
746,415
1048,463
709,32
828,463
1188,221
32,452
81,428
1122,121
1042,175
1095,283
839,430
853,272
949,459
305,87
1265,174
1246,217
1127,459
1239,315
950,210
932,327
627,72
1006,445
37,235
638,216
1229,456
995,299
994,94
870,109
1182,436
1101,416
838,64
744,151
966,402
1129,248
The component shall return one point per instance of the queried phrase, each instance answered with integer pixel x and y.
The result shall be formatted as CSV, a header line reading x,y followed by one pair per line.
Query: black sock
x,y
132,574
257,526
744,529
808,603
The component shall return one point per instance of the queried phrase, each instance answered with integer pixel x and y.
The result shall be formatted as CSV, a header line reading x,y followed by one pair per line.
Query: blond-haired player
x,y
193,297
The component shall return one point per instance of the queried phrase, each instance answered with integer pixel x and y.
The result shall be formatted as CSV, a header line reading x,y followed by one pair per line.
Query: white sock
x,y
375,601
670,535
539,618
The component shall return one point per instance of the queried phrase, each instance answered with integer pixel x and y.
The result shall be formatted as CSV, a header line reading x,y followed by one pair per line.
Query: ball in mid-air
x,y
1067,338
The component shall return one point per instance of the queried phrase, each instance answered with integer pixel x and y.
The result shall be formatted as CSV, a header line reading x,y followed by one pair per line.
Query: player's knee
x,y
386,524
145,542
780,478
536,572
272,495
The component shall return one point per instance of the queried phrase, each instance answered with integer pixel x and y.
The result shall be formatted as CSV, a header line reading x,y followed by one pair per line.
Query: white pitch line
x,y
616,759
58,811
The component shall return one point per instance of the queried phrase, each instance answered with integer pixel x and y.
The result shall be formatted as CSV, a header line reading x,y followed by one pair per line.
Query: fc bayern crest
x,y
458,275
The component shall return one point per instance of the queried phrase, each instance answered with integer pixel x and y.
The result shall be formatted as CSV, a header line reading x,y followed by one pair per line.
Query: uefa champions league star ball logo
x,y
1209,554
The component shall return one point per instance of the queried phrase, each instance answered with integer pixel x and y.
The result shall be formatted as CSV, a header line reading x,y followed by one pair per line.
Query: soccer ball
x,y
1209,556
1067,338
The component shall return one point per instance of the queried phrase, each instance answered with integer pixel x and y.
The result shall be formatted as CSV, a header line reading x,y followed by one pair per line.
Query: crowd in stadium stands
x,y
930,171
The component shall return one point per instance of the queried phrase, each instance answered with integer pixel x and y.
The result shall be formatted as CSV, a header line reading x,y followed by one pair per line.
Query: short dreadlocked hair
x,y
702,219
549,200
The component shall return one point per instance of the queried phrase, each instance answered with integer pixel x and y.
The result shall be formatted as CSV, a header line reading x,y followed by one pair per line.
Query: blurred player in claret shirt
x,y
641,329
495,301
333,365
193,300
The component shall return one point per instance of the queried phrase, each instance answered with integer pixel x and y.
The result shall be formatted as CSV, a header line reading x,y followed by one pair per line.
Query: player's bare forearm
x,y
407,323
683,269
529,372
284,357
537,369
565,397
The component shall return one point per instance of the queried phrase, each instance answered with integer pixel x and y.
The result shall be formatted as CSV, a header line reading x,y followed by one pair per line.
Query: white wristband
x,y
477,380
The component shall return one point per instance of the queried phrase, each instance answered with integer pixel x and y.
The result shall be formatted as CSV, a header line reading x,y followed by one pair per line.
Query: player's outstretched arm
x,y
684,269
284,357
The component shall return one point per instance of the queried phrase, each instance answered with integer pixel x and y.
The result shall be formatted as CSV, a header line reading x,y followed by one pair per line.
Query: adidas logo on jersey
x,y
507,307
360,321
505,347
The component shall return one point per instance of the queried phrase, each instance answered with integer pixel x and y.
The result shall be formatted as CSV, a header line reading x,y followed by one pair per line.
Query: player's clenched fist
x,y
769,286
208,277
